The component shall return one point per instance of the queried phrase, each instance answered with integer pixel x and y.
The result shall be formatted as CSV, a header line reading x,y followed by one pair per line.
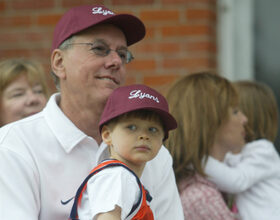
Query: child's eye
x,y
131,127
153,129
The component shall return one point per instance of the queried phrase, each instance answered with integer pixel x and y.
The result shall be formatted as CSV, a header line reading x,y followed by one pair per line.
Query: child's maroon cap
x,y
136,97
82,17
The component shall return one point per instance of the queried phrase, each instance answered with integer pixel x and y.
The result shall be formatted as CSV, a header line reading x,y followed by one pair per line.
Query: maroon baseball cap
x,y
136,97
82,17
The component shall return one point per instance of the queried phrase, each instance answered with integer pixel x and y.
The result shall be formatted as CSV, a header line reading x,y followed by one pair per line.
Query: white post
x,y
235,39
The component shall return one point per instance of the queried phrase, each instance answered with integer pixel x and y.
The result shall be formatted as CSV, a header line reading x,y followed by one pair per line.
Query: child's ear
x,y
106,135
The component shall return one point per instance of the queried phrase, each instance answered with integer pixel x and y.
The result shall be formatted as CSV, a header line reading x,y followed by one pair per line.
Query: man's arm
x,y
18,187
158,177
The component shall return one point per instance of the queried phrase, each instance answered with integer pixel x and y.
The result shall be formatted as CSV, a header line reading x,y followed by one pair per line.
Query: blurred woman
x,y
253,175
23,89
209,125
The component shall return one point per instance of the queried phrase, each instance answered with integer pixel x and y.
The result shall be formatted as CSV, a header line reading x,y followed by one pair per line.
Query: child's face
x,y
134,141
231,135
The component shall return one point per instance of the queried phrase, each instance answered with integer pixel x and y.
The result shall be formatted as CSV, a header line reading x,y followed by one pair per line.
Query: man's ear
x,y
57,63
106,135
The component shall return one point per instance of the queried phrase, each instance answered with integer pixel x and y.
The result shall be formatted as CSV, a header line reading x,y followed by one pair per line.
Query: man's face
x,y
90,78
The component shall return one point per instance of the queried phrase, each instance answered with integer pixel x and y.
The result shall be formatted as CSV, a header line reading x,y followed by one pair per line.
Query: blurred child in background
x,y
253,174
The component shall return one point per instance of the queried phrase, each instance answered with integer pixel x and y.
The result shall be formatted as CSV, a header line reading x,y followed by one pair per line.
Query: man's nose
x,y
115,59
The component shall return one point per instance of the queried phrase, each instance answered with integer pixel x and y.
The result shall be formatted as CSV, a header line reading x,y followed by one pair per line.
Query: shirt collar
x,y
63,128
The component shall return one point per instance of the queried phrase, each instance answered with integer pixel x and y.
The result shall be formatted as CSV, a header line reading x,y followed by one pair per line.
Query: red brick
x,y
154,47
4,54
141,65
174,45
41,52
130,79
169,47
48,19
159,15
186,63
200,14
15,21
144,47
201,46
9,37
159,80
24,37
36,37
32,4
186,30
174,2
2,6
150,32
72,3
132,2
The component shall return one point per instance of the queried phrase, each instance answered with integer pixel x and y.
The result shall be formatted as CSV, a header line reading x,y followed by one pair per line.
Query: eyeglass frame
x,y
129,56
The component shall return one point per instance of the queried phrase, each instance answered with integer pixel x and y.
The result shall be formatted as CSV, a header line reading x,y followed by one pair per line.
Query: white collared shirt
x,y
44,158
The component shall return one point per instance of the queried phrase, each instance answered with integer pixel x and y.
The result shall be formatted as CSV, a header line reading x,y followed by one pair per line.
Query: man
x,y
43,158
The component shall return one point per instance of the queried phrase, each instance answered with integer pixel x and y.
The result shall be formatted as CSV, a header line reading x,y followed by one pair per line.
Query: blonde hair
x,y
258,103
200,103
11,69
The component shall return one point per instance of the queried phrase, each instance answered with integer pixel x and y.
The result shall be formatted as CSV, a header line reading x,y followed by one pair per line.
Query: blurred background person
x,y
23,89
258,102
253,175
210,125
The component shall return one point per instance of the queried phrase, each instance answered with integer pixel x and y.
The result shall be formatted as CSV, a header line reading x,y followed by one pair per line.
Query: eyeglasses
x,y
103,50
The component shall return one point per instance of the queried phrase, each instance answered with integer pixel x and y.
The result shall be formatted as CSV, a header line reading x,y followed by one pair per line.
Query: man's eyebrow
x,y
99,40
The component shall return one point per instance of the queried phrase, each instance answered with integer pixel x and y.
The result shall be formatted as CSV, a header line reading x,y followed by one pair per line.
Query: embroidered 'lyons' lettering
x,y
99,10
141,95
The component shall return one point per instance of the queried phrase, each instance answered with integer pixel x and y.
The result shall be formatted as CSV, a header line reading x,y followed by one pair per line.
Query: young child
x,y
253,175
134,124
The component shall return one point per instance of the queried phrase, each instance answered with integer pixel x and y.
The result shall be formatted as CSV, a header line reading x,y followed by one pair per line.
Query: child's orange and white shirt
x,y
109,184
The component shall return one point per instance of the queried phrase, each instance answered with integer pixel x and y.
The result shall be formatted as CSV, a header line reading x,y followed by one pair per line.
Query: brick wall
x,y
181,35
